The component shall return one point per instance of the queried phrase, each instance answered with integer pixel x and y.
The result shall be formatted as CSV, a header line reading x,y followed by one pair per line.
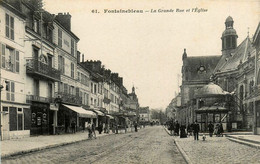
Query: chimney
x,y
82,57
65,20
78,56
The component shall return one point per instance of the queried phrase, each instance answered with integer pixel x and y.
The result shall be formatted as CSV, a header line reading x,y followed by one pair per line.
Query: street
x,y
148,145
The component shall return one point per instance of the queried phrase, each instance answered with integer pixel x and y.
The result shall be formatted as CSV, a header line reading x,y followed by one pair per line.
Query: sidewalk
x,y
220,149
36,143
249,140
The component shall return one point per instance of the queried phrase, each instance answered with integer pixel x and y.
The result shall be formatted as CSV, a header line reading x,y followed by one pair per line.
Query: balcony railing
x,y
30,98
36,67
69,98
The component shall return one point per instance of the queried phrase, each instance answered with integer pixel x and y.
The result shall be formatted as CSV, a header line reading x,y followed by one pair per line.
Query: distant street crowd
x,y
193,129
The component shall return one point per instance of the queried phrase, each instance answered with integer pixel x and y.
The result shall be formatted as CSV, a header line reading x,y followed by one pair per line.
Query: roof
x,y
231,61
193,65
229,31
210,90
229,19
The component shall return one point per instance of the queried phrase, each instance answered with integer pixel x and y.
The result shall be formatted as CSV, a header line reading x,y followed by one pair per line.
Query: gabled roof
x,y
231,61
195,62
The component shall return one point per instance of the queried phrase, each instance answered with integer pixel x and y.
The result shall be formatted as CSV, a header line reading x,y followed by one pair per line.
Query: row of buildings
x,y
222,88
45,82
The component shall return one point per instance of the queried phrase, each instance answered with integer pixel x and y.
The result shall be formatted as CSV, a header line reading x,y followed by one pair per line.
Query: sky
x,y
146,48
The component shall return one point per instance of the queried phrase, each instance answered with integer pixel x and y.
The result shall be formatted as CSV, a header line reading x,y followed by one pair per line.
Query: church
x,y
221,88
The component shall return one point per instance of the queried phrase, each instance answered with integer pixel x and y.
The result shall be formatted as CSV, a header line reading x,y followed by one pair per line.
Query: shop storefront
x,y
68,114
41,119
15,120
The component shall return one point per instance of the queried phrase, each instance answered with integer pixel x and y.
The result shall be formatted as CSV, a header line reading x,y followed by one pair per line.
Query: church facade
x,y
234,71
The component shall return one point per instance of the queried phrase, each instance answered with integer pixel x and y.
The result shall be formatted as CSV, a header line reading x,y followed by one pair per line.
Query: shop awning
x,y
82,112
98,112
111,117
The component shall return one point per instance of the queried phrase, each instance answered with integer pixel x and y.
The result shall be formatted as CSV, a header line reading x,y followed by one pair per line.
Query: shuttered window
x,y
9,26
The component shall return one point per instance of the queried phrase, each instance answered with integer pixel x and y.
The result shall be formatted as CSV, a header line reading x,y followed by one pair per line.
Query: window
x,y
49,34
65,88
77,91
95,88
10,58
36,87
72,47
72,90
17,56
59,38
78,78
9,26
251,87
60,87
61,64
10,88
87,103
91,101
91,87
72,70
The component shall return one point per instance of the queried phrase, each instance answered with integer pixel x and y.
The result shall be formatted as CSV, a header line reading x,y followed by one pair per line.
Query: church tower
x,y
229,37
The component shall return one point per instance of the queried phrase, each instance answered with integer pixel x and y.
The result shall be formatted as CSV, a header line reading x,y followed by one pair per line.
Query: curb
x,y
46,147
184,155
257,146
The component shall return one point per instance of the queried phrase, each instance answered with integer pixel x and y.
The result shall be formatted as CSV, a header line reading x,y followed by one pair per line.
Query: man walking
x,y
73,126
196,129
211,129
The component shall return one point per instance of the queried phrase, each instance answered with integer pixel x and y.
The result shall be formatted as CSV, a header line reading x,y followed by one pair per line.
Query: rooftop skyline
x,y
146,48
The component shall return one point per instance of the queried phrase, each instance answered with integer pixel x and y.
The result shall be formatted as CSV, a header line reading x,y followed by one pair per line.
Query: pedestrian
x,y
216,130
177,128
171,128
196,129
73,126
93,129
183,131
211,128
135,124
100,128
221,130
89,127
189,129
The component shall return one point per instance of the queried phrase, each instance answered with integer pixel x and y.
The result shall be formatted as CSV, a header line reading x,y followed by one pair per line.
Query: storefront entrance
x,y
40,119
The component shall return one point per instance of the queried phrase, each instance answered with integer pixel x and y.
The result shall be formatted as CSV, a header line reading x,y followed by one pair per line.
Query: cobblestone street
x,y
217,150
148,145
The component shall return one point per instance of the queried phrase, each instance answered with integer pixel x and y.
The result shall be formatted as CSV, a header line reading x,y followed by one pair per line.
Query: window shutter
x,y
63,65
17,65
0,55
12,28
12,91
7,25
3,55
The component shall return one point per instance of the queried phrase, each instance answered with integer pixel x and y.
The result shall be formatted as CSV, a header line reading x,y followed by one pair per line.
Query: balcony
x,y
30,98
41,70
69,98
106,100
